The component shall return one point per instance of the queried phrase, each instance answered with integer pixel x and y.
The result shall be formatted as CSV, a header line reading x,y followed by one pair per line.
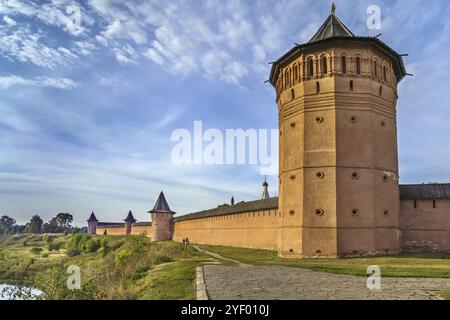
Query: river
x,y
10,292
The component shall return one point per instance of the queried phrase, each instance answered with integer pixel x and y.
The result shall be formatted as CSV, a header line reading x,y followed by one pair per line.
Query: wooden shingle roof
x,y
258,205
432,191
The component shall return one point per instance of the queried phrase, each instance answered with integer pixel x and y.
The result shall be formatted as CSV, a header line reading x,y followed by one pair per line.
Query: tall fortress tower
x,y
338,174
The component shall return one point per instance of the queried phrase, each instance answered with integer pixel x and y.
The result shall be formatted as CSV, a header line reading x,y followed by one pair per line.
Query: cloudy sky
x,y
91,92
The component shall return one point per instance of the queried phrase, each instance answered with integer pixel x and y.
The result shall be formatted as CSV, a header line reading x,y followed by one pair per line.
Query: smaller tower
x,y
162,220
128,222
92,224
265,191
232,201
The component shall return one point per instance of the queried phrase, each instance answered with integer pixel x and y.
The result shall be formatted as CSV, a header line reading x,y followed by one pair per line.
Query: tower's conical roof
x,y
332,28
92,218
130,218
161,205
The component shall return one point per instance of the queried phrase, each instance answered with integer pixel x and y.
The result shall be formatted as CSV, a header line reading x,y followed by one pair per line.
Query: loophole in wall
x,y
292,212
293,125
383,124
320,175
319,119
355,212
386,212
319,212
353,119
355,175
292,178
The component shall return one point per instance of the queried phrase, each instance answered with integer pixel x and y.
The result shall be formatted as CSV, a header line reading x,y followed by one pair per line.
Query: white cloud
x,y
10,22
44,82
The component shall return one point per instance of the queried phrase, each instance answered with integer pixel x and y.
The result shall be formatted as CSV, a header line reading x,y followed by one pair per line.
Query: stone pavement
x,y
289,283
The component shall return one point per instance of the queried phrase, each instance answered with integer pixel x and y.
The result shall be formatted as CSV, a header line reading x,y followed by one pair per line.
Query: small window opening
x,y
358,65
415,204
351,85
434,204
310,67
344,64
317,87
324,66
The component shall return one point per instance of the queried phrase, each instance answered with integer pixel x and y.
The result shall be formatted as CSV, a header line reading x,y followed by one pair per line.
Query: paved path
x,y
288,283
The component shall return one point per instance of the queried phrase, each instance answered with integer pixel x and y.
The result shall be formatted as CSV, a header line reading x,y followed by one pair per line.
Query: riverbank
x,y
116,267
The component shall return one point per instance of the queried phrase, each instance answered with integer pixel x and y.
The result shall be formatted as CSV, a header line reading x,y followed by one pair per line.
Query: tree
x,y
7,224
58,224
35,224
64,220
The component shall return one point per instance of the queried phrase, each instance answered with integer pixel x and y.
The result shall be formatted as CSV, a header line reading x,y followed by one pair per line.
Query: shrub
x,y
90,245
66,232
45,255
52,246
48,238
104,244
72,252
36,250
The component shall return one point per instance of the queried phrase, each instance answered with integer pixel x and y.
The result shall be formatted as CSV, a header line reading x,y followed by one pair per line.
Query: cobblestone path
x,y
288,283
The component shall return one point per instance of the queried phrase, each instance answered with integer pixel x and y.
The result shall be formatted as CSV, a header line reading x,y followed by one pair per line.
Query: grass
x,y
404,265
132,268
445,295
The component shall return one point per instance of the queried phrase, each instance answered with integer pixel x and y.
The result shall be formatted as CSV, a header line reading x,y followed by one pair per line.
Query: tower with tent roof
x,y
338,163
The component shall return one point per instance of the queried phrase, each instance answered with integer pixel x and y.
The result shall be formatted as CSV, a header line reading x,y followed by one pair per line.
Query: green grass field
x,y
404,265
132,268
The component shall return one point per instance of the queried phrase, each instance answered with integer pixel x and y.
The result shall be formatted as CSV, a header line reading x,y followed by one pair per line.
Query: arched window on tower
x,y
344,64
286,78
310,67
375,68
324,67
384,74
358,65
295,73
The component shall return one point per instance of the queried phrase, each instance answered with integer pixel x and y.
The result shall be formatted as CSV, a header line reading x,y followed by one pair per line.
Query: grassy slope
x,y
405,265
158,270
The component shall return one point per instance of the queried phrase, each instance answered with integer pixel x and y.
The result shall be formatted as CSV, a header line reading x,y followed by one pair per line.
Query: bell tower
x,y
338,165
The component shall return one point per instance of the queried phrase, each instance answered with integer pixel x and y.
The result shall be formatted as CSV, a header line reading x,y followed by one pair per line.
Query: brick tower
x,y
338,174
162,220
129,220
92,224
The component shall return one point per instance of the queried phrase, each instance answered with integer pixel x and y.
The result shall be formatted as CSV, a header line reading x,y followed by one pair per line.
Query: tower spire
x,y
333,8
265,191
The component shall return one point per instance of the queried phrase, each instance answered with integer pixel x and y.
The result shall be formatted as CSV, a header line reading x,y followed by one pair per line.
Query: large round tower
x,y
338,173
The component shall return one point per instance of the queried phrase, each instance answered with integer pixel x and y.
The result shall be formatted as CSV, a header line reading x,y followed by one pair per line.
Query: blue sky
x,y
86,113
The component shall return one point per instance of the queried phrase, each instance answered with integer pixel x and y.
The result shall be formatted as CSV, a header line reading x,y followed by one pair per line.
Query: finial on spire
x,y
333,8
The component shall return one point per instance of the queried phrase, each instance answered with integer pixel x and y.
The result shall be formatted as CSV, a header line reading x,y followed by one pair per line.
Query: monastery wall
x,y
425,225
255,229
141,230
111,231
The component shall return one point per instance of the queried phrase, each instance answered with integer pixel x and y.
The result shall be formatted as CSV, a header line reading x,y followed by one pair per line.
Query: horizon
x,y
88,112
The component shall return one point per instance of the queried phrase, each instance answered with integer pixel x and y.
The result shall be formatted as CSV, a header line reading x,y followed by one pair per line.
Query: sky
x,y
91,92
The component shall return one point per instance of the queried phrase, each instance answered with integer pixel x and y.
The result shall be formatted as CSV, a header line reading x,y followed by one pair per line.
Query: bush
x,y
72,252
36,250
104,244
48,238
52,246
90,245
45,255
66,232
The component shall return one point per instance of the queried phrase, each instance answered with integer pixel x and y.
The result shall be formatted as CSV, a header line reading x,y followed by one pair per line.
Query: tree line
x,y
62,222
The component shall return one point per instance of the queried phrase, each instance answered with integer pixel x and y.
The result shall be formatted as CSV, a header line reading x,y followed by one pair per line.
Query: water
x,y
10,292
